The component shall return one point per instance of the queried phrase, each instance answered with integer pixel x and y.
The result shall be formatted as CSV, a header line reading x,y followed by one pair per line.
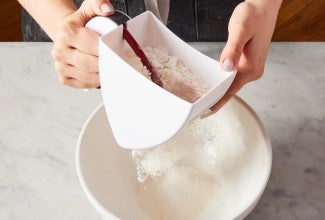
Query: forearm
x,y
272,5
49,13
268,14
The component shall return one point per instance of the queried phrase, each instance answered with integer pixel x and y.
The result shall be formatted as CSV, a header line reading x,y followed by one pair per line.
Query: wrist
x,y
267,9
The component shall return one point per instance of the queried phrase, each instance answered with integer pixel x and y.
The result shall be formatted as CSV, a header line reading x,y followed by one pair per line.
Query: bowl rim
x,y
242,213
99,207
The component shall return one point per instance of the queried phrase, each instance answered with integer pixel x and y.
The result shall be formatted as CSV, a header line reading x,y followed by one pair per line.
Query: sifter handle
x,y
102,25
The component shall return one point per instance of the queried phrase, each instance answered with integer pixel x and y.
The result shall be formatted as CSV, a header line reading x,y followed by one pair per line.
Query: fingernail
x,y
228,65
106,8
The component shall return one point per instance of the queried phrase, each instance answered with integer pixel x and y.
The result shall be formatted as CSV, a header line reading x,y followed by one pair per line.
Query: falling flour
x,y
198,136
178,176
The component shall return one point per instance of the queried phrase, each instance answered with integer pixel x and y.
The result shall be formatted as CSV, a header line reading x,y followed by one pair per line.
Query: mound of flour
x,y
181,178
182,194
175,76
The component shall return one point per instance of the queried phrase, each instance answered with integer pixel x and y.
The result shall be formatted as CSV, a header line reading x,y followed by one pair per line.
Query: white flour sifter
x,y
142,114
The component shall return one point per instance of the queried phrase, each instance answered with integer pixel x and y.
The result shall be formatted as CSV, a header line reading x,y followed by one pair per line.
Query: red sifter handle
x,y
139,52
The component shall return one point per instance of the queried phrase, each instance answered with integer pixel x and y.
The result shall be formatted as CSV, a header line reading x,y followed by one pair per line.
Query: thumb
x,y
91,8
233,50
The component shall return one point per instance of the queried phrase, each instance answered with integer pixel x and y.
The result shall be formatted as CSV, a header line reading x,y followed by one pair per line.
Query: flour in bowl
x,y
181,178
197,139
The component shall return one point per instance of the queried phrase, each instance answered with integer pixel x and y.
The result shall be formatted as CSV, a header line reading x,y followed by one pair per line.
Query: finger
x,y
86,41
76,58
252,61
91,8
69,71
83,76
233,50
233,89
76,83
74,36
84,62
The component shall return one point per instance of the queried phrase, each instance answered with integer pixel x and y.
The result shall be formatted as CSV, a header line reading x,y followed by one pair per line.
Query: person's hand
x,y
75,49
250,31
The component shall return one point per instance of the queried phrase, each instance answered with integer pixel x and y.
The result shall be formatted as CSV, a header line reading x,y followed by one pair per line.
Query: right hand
x,y
75,49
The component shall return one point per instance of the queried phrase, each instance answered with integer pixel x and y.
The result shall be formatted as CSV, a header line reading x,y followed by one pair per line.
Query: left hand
x,y
250,31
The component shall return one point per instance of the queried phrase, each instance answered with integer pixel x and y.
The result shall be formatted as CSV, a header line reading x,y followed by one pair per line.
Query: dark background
x,y
299,20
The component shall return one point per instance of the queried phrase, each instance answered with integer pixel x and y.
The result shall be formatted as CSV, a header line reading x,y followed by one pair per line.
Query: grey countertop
x,y
40,121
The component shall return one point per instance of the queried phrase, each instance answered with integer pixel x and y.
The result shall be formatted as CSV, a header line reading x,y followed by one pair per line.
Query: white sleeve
x,y
158,7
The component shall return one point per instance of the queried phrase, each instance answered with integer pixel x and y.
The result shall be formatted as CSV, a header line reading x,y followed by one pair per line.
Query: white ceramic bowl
x,y
109,179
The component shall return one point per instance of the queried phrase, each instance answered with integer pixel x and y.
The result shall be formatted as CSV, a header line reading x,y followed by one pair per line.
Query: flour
x,y
180,178
199,136
175,76
180,194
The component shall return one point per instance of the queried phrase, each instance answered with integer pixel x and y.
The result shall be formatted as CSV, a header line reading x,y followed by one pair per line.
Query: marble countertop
x,y
40,121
